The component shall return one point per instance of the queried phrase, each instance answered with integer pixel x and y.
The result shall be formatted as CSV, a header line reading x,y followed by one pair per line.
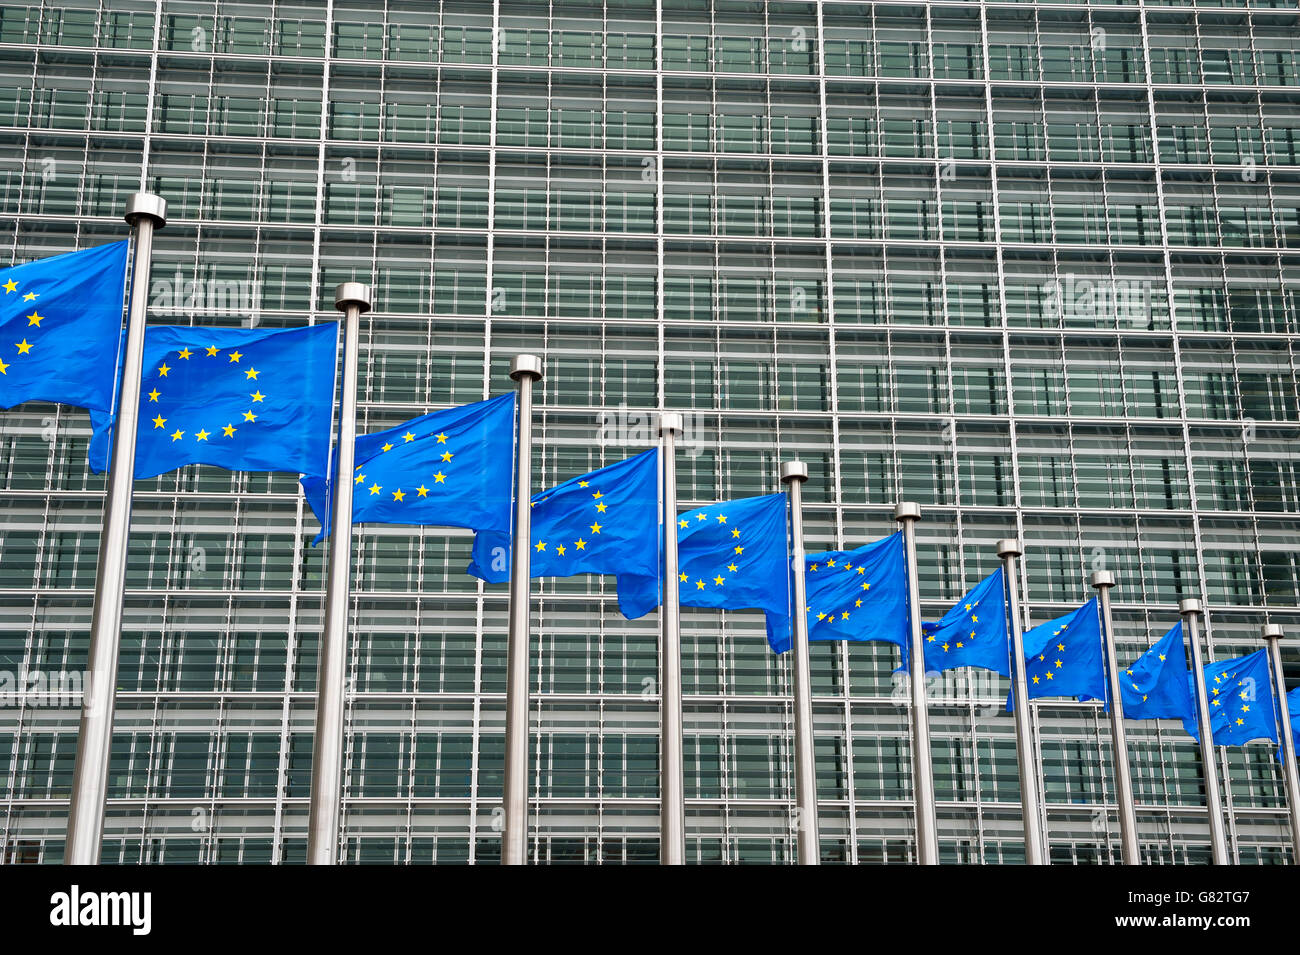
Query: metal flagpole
x,y
1035,852
524,369
1191,611
1103,580
672,786
350,298
927,839
1273,637
794,473
146,212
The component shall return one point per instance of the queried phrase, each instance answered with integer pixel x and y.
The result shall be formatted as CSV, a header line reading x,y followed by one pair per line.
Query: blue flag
x,y
972,634
859,594
60,328
1063,657
732,555
238,398
605,522
1241,700
1155,686
453,468
1293,711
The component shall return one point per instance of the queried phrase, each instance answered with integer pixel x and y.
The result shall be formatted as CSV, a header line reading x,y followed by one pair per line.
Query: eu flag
x,y
1241,700
238,398
605,522
1063,657
859,594
733,556
60,328
452,468
972,634
1155,686
1293,710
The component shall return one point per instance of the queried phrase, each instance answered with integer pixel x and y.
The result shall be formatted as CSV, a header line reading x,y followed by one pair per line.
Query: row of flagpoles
x,y
790,612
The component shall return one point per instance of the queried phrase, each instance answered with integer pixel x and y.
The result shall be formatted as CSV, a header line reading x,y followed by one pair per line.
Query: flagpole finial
x,y
1190,605
352,293
1272,631
793,471
907,511
146,205
1102,578
670,421
1010,547
529,365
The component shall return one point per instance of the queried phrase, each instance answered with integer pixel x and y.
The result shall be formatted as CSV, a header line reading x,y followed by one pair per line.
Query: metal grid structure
x,y
1029,264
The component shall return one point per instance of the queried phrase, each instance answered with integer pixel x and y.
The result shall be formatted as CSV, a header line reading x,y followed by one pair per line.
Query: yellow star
x,y
183,353
736,533
600,508
738,549
559,549
408,437
701,517
163,369
359,479
440,478
722,518
595,528
252,373
387,447
159,421
683,523
447,455
821,616
682,577
153,395
35,319
249,416
732,567
1162,657
844,615
1035,679
1049,674
830,562
399,494
583,483
235,356
176,436
212,351
229,431
699,585
11,286
422,491
866,586
858,603
580,544
541,545
861,570
929,639
30,296
23,347
598,495
718,581
200,435
257,396
375,488
442,439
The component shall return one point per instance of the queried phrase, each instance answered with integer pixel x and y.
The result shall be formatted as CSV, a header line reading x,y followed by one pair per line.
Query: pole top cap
x,y
907,511
526,366
352,293
670,422
1272,631
1102,578
146,205
793,471
1190,605
1010,547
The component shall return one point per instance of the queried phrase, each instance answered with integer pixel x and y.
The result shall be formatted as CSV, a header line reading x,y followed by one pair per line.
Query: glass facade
x,y
1033,265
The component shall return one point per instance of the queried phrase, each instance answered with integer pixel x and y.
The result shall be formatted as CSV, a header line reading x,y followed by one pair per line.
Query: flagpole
x,y
524,369
1035,851
350,298
146,212
1103,580
1273,637
927,839
794,473
1191,611
672,787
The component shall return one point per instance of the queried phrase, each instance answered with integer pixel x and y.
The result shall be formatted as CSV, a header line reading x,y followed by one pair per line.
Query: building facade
x,y
1033,265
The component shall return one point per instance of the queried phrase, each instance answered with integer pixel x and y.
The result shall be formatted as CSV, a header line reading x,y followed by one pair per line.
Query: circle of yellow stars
x,y
400,494
23,347
599,508
1218,698
974,619
718,580
228,430
1042,657
830,564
